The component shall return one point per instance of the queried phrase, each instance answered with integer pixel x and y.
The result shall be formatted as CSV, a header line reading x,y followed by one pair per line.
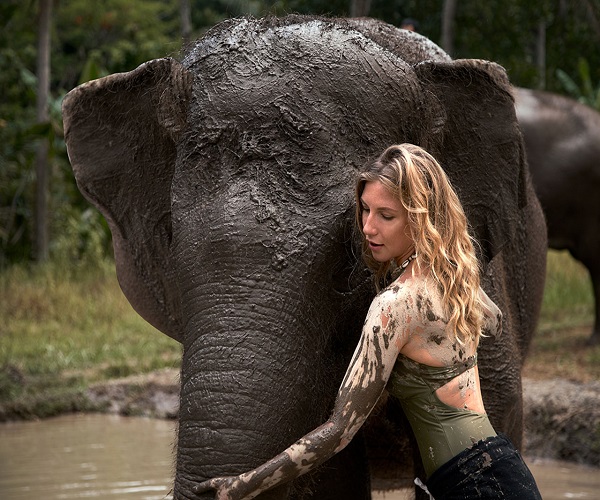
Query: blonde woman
x,y
419,341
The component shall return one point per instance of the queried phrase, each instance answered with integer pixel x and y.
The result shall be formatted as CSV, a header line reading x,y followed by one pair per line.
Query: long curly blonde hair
x,y
438,227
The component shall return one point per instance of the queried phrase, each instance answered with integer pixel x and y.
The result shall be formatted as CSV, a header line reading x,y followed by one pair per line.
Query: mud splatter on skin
x,y
419,302
466,384
436,338
426,309
431,316
460,353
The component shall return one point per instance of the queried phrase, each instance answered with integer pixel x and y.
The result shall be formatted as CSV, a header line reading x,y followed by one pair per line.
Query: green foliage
x,y
68,326
92,38
112,36
586,93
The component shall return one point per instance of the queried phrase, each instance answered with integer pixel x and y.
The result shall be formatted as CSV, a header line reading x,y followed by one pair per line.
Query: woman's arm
x,y
362,386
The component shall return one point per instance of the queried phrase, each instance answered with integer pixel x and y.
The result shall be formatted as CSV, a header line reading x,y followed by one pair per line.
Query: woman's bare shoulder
x,y
402,295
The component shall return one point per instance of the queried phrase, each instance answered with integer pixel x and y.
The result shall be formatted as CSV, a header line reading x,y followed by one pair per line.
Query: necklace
x,y
404,265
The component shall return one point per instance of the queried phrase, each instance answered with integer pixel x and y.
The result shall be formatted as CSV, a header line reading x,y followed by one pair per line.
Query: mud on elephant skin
x,y
562,140
227,183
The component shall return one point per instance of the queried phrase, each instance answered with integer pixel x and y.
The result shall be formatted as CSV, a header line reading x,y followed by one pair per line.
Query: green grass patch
x,y
568,295
560,347
66,327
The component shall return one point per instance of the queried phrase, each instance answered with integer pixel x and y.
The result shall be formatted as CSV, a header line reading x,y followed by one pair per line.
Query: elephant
x,y
562,142
227,181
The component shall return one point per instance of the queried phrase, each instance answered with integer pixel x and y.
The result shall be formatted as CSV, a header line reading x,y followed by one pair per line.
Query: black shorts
x,y
491,468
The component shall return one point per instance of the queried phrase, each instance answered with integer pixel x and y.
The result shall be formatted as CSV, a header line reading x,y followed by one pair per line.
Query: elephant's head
x,y
227,183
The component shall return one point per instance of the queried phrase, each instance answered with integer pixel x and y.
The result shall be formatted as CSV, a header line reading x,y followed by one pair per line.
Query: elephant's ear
x,y
121,133
480,145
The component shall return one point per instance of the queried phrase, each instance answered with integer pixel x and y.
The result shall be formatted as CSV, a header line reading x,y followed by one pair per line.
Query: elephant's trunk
x,y
248,390
262,362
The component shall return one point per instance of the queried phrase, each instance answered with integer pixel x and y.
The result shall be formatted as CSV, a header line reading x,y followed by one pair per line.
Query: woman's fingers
x,y
205,486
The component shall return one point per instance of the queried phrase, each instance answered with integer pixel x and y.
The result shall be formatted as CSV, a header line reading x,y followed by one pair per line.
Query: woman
x,y
419,341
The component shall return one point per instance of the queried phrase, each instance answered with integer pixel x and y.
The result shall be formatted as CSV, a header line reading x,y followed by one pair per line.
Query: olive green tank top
x,y
442,431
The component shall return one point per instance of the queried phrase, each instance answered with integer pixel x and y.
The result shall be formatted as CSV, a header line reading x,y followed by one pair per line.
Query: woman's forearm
x,y
307,453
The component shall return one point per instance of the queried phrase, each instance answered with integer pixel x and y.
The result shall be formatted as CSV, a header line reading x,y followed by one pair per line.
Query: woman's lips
x,y
374,246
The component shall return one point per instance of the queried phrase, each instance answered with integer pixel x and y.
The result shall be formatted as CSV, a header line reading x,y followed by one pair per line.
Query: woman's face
x,y
385,224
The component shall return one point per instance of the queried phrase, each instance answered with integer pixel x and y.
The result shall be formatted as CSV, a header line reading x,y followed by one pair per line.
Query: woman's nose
x,y
368,227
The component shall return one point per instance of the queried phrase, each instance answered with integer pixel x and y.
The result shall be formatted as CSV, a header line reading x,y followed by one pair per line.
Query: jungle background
x,y
63,322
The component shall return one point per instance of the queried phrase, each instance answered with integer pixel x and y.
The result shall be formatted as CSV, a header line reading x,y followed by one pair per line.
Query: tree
x,y
42,167
185,14
448,26
541,54
360,8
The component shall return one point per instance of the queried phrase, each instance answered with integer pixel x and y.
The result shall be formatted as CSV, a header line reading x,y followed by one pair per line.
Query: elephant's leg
x,y
420,493
585,252
595,275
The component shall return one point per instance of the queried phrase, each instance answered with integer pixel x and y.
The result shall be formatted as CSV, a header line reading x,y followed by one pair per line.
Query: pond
x,y
112,457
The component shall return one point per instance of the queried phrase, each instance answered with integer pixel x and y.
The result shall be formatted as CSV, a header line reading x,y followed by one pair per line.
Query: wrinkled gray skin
x,y
562,140
227,183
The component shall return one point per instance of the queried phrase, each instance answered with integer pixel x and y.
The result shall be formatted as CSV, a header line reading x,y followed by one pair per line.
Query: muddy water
x,y
110,457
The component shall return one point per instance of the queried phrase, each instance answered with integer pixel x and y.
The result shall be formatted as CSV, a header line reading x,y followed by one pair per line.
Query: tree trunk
x,y
360,8
41,163
185,14
592,16
448,26
540,55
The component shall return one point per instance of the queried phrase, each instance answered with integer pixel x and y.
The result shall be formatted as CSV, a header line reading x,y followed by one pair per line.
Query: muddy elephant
x,y
227,182
562,140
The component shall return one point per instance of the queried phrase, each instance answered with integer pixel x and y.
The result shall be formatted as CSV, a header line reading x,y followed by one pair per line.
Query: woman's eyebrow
x,y
380,209
365,204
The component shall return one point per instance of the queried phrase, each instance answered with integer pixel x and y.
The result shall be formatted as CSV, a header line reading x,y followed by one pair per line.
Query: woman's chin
x,y
379,258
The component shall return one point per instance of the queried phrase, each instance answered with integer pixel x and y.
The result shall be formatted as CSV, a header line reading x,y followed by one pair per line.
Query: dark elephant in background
x,y
562,140
227,182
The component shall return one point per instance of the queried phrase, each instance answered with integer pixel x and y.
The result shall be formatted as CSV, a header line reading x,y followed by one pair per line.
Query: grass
x,y
65,327
560,347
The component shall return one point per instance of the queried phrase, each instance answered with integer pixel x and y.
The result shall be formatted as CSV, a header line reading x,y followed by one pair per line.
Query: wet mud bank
x,y
562,418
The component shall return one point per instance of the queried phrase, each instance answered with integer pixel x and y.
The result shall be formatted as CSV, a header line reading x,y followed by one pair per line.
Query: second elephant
x,y
562,139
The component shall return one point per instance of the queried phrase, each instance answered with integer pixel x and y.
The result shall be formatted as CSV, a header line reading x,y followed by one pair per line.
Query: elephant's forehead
x,y
310,97
313,63
247,37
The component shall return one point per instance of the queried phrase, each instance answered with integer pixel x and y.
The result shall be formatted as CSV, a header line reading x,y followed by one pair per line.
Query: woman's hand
x,y
224,487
